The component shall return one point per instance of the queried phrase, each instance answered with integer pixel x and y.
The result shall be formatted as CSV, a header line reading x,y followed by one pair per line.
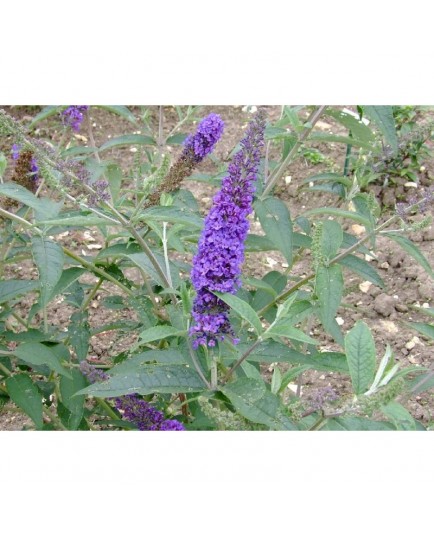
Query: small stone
x,y
340,321
271,262
358,229
389,326
365,286
410,185
410,345
385,265
428,234
288,179
384,304
401,307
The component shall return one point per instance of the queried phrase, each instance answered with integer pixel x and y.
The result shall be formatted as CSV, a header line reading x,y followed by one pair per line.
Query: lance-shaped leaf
x,y
157,333
153,378
241,307
254,402
49,258
382,116
276,222
408,246
360,352
329,285
26,396
36,353
16,287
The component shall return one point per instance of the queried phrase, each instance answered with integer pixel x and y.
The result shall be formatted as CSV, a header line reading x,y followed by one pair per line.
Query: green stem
x,y
91,294
92,268
107,408
347,156
278,173
197,366
241,359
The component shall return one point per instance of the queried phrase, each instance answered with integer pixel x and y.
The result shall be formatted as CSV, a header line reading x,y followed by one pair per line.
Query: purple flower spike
x,y
217,265
73,116
204,140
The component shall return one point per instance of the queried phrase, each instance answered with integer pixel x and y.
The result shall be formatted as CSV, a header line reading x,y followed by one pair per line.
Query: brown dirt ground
x,y
385,311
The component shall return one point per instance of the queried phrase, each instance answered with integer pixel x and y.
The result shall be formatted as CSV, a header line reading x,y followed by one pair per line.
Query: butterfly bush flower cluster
x,y
217,264
73,116
133,408
33,167
196,147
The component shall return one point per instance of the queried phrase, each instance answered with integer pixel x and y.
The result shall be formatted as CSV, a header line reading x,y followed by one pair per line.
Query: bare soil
x,y
408,287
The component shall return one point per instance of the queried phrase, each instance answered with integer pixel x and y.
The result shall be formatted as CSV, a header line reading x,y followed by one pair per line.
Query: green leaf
x,y
361,357
172,214
276,222
276,380
329,177
134,363
255,243
427,330
177,139
79,334
274,352
157,333
76,151
332,138
262,297
46,112
129,139
338,213
67,278
241,307
421,383
75,404
251,399
36,353
382,116
3,163
286,329
149,379
122,111
43,207
142,261
75,221
331,238
16,287
26,396
355,424
362,268
400,417
358,129
114,177
329,285
259,284
49,259
408,246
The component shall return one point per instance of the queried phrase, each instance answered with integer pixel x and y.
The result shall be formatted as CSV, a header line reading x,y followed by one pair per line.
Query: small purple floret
x,y
217,265
73,116
204,140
